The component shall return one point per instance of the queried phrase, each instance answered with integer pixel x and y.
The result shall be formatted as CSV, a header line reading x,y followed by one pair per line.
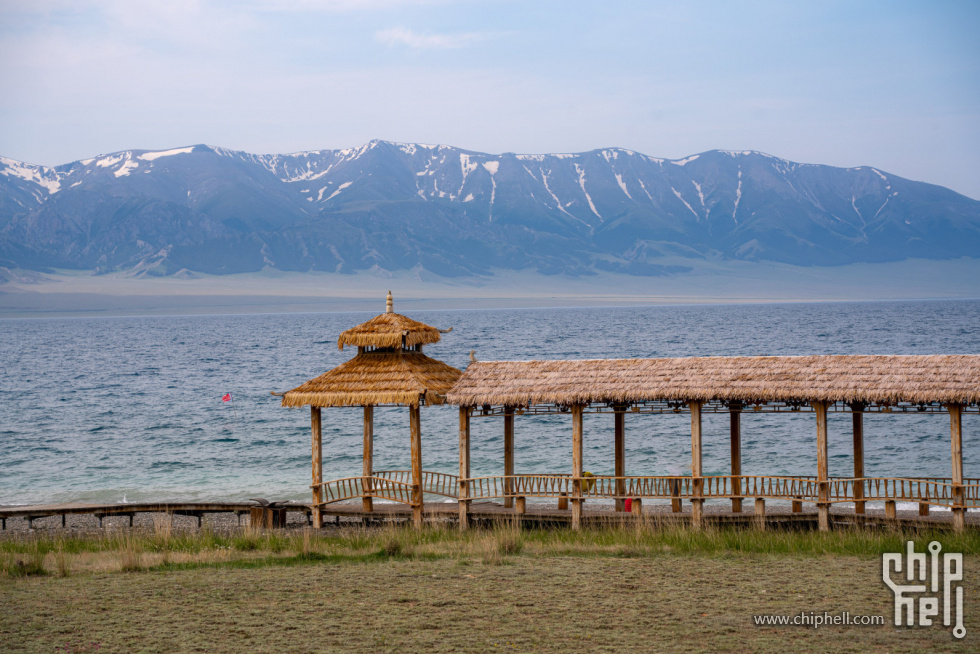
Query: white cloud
x,y
402,36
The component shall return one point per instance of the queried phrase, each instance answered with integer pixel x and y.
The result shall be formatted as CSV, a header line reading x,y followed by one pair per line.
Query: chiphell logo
x,y
929,570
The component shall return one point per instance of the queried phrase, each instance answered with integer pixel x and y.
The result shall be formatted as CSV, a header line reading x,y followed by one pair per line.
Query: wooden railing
x,y
927,490
394,485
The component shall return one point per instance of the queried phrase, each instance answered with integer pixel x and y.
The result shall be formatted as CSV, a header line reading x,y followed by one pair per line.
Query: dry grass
x,y
544,604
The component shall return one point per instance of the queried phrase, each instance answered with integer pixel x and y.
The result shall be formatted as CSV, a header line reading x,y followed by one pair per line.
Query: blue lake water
x,y
106,409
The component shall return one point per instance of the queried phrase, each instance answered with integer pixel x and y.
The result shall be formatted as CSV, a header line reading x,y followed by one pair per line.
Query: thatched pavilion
x,y
389,370
855,384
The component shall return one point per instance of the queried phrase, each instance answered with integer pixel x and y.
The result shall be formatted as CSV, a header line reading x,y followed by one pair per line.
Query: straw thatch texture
x,y
746,379
387,330
385,377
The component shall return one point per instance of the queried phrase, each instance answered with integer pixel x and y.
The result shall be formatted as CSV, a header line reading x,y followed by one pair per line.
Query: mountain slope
x,y
457,212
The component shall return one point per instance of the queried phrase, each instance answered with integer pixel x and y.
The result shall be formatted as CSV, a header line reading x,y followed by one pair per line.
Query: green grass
x,y
161,549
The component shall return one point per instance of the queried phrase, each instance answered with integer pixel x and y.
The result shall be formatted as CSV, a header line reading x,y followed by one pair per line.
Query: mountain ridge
x,y
461,212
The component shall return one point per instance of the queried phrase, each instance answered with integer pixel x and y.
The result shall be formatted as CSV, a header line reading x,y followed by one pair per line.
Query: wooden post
x,y
464,467
521,506
956,445
760,512
415,423
924,509
316,429
619,421
857,423
577,466
735,419
697,481
367,503
636,507
823,505
508,457
890,511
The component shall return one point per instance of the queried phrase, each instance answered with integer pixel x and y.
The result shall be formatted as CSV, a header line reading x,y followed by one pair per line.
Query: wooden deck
x,y
490,513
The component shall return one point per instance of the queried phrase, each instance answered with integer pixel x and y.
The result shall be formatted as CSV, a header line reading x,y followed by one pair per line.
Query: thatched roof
x,y
378,377
389,330
746,379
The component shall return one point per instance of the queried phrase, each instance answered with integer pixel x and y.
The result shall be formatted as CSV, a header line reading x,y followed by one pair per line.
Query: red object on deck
x,y
628,505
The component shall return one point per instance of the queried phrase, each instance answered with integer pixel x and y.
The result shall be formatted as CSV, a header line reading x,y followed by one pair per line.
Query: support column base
x,y
890,509
576,514
697,513
823,517
959,520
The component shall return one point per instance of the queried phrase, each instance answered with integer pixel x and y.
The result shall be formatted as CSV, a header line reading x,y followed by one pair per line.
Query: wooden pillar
x,y
619,419
464,467
857,424
697,481
508,456
760,512
415,421
316,429
367,503
823,505
735,419
577,466
956,445
520,507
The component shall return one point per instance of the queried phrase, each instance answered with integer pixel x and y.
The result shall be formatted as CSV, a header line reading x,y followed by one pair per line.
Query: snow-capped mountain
x,y
457,212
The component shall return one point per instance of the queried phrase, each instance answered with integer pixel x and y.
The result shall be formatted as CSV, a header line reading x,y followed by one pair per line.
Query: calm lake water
x,y
113,409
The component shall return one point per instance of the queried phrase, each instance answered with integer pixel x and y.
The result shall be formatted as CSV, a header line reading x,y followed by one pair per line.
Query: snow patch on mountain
x,y
45,177
153,156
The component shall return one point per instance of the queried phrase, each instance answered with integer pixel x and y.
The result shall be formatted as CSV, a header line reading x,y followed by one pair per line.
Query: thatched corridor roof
x,y
378,377
805,379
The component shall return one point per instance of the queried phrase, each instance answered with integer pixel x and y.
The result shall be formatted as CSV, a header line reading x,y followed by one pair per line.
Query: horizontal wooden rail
x,y
927,490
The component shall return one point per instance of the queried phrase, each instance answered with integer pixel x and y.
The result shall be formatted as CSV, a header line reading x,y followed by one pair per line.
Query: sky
x,y
890,84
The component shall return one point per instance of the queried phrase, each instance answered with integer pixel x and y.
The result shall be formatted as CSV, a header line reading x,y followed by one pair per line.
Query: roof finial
x,y
389,305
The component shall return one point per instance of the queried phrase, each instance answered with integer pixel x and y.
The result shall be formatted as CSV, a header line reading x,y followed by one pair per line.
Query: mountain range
x,y
455,212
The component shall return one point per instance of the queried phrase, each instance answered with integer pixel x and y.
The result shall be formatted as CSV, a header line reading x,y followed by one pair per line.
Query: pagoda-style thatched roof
x,y
378,377
389,330
863,379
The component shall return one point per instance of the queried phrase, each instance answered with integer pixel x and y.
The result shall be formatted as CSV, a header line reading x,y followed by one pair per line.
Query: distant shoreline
x,y
80,293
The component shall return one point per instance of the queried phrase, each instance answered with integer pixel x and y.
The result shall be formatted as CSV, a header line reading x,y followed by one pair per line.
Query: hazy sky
x,y
860,82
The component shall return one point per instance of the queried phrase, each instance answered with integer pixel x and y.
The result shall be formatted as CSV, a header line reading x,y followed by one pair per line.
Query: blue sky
x,y
890,84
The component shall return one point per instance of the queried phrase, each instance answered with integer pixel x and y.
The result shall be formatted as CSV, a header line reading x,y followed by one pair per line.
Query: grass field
x,y
438,591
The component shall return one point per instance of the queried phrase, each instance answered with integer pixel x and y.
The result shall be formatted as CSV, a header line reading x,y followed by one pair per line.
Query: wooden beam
x,y
735,420
316,429
508,456
367,503
577,466
823,505
956,445
857,426
464,466
619,421
697,503
415,424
